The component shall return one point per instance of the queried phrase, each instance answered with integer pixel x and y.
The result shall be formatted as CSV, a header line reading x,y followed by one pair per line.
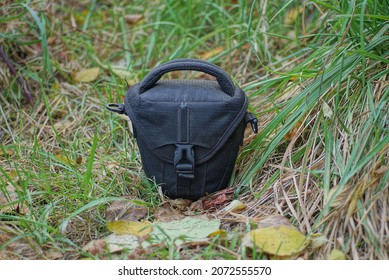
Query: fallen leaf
x,y
125,210
95,247
15,247
188,229
196,206
218,199
180,203
86,75
117,243
336,255
235,206
53,255
129,227
64,159
220,232
133,18
79,160
292,133
167,213
279,241
208,54
6,153
327,111
273,221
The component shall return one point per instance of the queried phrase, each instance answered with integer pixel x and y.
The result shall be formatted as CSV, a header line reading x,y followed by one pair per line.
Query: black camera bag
x,y
188,131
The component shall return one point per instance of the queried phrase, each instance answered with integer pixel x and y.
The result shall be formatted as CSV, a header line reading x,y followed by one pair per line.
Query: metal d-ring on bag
x,y
188,131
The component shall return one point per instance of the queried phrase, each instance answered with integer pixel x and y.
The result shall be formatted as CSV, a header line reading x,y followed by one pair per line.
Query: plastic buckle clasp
x,y
184,161
250,118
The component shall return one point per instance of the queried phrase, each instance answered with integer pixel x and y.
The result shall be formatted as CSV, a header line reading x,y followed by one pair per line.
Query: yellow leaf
x,y
211,53
6,153
129,227
279,241
235,206
64,159
336,255
220,232
86,75
292,15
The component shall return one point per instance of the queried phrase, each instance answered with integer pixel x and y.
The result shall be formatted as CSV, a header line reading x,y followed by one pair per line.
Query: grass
x,y
317,77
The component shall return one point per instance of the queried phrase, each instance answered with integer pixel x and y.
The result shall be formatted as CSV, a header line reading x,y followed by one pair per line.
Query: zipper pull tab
x,y
250,118
117,108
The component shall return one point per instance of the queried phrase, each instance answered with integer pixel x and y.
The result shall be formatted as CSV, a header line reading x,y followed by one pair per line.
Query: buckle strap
x,y
184,161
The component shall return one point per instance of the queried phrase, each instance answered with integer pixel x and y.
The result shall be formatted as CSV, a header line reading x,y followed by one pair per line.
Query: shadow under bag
x,y
188,131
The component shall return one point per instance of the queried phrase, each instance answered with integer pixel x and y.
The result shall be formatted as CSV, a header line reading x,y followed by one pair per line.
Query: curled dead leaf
x,y
218,199
133,18
234,206
166,213
125,210
273,221
95,247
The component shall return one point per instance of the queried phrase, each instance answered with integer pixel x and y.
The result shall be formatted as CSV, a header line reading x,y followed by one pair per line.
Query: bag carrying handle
x,y
222,78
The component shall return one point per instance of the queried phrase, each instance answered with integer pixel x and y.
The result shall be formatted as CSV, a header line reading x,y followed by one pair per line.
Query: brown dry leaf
x,y
125,210
274,221
336,255
53,255
196,206
180,203
167,213
17,248
86,75
279,241
218,200
211,53
292,133
95,247
133,18
129,228
79,160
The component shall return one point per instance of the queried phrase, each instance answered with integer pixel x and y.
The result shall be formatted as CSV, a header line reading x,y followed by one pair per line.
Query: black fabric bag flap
x,y
212,112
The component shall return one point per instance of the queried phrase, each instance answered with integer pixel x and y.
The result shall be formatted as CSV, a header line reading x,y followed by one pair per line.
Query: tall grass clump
x,y
321,156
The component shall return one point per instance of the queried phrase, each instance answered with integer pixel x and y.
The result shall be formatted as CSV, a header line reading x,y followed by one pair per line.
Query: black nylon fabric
x,y
175,118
